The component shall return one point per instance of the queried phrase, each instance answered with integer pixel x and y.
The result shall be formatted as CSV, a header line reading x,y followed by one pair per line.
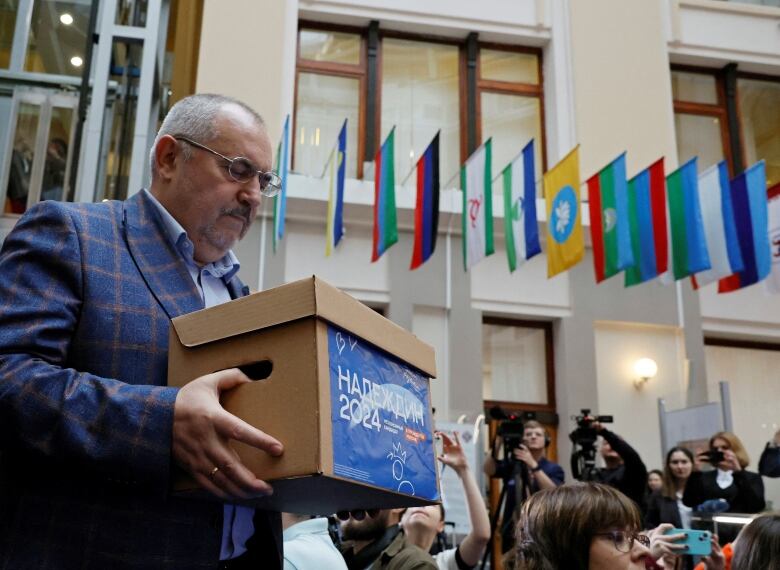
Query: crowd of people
x,y
91,436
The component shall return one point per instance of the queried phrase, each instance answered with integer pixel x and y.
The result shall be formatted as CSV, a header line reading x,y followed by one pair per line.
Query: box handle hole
x,y
257,370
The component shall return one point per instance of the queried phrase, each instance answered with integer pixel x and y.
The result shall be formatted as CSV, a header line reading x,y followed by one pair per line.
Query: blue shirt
x,y
237,522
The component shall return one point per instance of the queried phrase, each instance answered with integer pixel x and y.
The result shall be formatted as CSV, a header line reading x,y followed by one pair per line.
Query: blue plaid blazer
x,y
87,292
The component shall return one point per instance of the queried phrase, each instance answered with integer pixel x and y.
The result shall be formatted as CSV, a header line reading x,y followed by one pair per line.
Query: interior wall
x,y
752,378
429,325
349,267
247,50
618,347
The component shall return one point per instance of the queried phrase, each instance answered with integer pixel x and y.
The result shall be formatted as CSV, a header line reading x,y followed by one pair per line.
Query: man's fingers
x,y
230,378
232,427
234,478
446,440
205,482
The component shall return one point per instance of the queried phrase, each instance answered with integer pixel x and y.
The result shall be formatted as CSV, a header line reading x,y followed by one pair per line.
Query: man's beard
x,y
367,529
222,240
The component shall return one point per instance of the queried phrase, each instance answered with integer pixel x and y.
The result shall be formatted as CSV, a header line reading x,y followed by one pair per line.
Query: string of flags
x,y
673,226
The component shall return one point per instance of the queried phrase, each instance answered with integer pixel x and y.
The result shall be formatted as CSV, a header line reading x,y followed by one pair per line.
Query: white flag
x,y
477,218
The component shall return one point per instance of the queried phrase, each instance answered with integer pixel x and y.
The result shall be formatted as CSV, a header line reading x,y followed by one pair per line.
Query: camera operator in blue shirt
x,y
527,457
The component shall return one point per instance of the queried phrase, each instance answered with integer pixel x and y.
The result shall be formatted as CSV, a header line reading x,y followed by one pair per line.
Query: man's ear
x,y
166,156
396,514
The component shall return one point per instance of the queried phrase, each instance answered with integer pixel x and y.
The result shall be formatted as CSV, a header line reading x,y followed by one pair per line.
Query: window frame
x,y
512,88
717,110
547,328
347,70
423,38
360,71
754,77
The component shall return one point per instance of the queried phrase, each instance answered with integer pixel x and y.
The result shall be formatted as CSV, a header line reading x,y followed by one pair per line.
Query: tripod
x,y
522,490
583,463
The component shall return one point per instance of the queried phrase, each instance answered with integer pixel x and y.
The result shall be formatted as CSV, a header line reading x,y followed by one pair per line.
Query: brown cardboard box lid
x,y
308,297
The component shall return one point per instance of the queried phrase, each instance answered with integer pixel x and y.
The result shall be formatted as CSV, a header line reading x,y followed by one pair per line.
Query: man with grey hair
x,y
90,434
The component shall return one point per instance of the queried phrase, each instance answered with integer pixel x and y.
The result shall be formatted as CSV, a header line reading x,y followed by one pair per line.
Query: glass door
x,y
36,165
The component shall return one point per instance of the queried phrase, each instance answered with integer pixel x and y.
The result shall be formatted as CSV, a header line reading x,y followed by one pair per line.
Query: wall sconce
x,y
644,368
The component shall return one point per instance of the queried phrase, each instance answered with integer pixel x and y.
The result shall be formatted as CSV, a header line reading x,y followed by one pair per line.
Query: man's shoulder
x,y
401,554
93,213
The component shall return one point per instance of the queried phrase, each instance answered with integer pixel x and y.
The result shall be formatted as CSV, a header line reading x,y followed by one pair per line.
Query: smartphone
x,y
712,456
697,541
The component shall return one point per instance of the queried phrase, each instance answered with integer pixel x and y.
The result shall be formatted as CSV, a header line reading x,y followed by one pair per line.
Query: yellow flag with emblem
x,y
565,244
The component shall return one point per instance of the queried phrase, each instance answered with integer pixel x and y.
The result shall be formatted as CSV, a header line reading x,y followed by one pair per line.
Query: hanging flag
x,y
565,244
647,222
609,223
689,245
280,200
385,227
521,230
749,200
426,210
337,168
773,281
719,229
477,214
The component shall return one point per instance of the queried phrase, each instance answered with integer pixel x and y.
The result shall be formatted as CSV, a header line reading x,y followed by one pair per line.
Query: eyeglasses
x,y
624,541
241,169
358,515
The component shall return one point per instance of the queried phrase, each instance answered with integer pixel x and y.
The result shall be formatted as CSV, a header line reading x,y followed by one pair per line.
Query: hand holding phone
x,y
698,542
713,456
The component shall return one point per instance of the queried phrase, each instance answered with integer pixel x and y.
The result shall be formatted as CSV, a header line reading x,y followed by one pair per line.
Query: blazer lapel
x,y
161,266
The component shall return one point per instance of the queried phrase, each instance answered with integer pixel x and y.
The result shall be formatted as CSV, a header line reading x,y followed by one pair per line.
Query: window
x,y
7,25
420,97
704,111
517,363
510,105
58,35
379,79
700,118
329,88
759,112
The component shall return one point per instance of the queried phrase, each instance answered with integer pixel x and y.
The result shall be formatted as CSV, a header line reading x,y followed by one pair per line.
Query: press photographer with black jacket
x,y
625,470
743,490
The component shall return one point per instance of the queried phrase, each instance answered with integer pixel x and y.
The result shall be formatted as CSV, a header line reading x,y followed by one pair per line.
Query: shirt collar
x,y
225,267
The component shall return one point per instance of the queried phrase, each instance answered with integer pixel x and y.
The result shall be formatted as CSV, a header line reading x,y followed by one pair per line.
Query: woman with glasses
x,y
582,526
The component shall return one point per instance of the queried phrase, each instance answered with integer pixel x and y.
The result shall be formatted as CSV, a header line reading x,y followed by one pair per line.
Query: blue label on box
x,y
382,432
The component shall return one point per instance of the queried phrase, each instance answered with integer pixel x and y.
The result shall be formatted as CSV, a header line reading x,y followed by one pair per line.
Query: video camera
x,y
511,429
583,456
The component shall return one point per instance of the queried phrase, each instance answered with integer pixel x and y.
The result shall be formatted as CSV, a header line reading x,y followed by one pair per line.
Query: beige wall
x,y
752,378
618,347
247,50
623,97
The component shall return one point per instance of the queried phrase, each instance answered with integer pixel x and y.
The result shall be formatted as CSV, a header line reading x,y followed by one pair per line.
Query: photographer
x,y
625,470
742,491
525,472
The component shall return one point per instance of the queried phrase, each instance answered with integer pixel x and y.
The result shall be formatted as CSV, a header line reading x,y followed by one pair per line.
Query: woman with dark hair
x,y
655,480
581,526
741,489
666,506
758,545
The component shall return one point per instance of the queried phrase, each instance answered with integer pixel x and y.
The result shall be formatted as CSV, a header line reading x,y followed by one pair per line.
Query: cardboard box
x,y
344,389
